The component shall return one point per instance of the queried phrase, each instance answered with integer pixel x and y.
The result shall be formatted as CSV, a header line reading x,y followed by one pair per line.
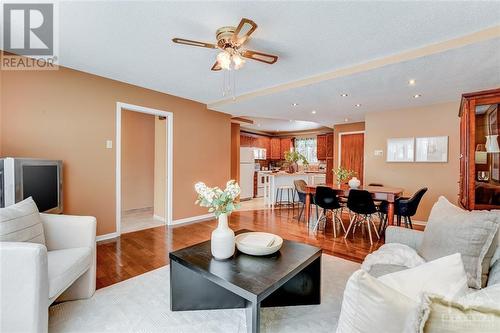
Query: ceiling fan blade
x,y
193,43
259,56
243,31
216,67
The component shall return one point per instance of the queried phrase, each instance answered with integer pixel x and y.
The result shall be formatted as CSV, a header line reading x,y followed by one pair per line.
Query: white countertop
x,y
283,173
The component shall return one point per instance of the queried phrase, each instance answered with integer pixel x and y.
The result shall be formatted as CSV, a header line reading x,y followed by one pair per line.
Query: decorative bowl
x,y
258,250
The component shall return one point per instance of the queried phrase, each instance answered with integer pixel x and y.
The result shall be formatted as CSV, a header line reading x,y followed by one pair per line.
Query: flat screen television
x,y
42,180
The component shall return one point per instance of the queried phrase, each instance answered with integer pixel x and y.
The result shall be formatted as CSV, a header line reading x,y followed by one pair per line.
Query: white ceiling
x,y
131,42
280,125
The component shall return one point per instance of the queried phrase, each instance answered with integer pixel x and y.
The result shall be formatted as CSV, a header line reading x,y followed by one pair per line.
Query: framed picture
x,y
400,150
433,149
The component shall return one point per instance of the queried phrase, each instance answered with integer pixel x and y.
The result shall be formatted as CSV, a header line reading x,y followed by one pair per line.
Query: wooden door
x,y
352,148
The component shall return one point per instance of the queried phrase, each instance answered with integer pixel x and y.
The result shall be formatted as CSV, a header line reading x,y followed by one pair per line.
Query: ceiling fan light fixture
x,y
238,61
224,60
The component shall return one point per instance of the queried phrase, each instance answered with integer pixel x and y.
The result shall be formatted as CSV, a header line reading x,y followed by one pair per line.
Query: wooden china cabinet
x,y
479,153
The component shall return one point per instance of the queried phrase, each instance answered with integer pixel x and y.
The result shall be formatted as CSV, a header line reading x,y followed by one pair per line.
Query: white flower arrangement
x,y
218,201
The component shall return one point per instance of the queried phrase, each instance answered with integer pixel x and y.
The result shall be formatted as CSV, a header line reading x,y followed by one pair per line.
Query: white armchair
x,y
33,276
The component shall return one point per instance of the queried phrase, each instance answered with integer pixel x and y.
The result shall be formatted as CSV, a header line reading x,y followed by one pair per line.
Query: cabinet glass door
x,y
487,156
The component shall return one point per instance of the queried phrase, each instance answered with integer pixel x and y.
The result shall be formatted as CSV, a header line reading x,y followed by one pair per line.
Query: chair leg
x,y
374,228
406,221
409,220
301,211
340,220
399,220
369,229
351,222
317,222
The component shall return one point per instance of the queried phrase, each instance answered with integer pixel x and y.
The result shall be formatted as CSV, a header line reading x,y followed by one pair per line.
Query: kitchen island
x,y
275,180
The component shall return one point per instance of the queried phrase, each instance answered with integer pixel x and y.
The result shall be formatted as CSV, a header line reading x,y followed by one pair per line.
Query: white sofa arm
x,y
70,231
24,290
406,236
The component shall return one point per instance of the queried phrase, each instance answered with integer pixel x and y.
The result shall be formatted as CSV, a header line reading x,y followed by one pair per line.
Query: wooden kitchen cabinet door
x,y
285,145
329,145
321,147
275,148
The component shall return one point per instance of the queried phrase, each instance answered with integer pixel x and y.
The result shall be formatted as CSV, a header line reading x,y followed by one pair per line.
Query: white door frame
x,y
169,165
340,148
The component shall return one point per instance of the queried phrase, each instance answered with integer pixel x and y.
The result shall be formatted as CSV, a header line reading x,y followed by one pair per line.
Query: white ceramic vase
x,y
222,243
354,182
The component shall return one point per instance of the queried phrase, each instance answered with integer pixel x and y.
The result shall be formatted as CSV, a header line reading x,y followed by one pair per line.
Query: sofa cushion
x,y
378,270
476,312
468,233
444,276
21,222
65,266
494,274
371,306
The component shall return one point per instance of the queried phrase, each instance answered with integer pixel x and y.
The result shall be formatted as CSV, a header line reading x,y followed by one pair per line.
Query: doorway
x,y
351,152
143,168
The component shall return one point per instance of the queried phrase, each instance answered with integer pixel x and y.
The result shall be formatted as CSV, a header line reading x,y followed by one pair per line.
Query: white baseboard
x,y
193,219
159,218
106,236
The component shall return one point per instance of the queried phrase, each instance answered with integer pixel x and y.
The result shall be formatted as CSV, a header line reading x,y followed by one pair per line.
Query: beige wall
x,y
160,179
440,178
68,115
138,157
342,128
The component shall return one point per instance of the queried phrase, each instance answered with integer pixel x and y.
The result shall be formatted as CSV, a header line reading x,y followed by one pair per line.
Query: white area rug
x,y
141,304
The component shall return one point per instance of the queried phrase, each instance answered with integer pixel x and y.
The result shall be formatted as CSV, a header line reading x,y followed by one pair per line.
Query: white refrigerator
x,y
247,170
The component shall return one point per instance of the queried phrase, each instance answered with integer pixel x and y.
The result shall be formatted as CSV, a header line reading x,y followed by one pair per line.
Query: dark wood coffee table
x,y
292,276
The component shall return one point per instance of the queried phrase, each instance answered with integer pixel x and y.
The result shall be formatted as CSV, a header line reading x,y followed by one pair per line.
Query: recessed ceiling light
x,y
258,125
344,95
416,96
313,111
295,104
346,120
357,105
411,82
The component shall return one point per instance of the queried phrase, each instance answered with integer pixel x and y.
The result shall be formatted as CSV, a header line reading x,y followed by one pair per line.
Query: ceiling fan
x,y
231,41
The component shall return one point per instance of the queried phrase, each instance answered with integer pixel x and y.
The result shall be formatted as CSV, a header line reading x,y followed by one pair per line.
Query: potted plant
x,y
221,203
342,175
292,157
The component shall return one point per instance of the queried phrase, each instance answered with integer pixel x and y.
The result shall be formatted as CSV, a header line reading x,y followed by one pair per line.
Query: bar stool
x,y
290,191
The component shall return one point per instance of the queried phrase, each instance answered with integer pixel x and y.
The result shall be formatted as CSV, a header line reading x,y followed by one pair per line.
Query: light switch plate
x,y
109,144
378,152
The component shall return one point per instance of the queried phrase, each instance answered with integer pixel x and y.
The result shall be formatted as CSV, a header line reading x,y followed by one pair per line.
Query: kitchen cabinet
x,y
479,180
247,140
286,144
329,158
329,145
275,148
321,147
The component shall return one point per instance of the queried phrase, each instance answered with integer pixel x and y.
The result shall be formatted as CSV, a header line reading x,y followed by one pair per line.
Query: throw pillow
x,y
21,222
444,276
470,234
476,312
371,306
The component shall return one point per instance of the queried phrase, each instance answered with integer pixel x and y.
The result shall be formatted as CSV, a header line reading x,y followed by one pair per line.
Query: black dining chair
x,y
327,199
300,187
404,208
361,204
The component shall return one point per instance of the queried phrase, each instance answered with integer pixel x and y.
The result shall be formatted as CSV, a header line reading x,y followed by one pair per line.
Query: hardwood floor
x,y
138,252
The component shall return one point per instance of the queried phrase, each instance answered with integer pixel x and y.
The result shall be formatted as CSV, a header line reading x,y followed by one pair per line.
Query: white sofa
x,y
33,276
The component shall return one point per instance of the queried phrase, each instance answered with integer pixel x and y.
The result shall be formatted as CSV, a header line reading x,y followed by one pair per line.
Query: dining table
x,y
389,194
